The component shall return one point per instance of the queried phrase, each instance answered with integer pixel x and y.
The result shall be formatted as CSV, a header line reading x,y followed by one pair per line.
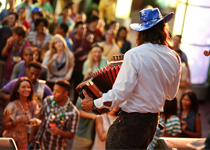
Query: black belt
x,y
142,114
138,113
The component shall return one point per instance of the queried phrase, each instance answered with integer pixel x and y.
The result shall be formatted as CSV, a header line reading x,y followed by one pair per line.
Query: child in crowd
x,y
36,55
171,122
23,20
102,125
189,116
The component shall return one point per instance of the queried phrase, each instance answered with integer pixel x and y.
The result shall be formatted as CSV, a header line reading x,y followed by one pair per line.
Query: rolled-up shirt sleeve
x,y
125,82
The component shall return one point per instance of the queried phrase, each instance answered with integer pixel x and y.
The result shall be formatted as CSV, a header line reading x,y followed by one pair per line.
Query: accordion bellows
x,y
101,81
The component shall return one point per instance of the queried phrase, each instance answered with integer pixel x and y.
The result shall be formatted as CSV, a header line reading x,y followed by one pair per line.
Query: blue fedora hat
x,y
149,18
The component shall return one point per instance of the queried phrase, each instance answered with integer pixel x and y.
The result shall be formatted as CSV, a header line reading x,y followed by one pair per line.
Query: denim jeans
x,y
132,131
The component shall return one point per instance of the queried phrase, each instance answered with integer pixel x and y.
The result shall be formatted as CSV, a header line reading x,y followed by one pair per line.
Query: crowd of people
x,y
41,53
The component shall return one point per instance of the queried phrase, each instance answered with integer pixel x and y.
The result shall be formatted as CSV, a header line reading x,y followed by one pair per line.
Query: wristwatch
x,y
94,107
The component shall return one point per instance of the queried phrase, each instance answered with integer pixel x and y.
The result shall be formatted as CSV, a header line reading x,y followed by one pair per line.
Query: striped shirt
x,y
172,127
70,123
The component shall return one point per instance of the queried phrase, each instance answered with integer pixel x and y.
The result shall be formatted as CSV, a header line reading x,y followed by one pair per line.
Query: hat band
x,y
148,20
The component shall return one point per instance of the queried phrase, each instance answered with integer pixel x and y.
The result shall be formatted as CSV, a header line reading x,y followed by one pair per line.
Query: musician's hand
x,y
87,102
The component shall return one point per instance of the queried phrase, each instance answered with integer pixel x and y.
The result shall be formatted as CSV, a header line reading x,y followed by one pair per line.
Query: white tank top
x,y
107,121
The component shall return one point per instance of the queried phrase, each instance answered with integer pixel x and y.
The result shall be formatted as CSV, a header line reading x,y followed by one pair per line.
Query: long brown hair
x,y
15,95
118,33
158,34
194,101
24,13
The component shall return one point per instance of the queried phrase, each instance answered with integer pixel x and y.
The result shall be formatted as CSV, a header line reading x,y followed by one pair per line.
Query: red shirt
x,y
98,37
85,44
26,24
10,63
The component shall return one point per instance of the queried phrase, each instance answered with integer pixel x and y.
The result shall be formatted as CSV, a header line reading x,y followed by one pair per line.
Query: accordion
x,y
101,81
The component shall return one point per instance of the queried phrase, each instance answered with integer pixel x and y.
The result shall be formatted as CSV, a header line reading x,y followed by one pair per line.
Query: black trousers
x,y
132,131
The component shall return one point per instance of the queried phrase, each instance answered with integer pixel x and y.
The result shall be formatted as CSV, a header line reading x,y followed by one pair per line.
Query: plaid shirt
x,y
71,120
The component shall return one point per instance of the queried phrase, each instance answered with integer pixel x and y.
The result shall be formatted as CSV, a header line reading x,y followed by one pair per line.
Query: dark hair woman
x,y
191,122
170,120
40,38
19,111
122,41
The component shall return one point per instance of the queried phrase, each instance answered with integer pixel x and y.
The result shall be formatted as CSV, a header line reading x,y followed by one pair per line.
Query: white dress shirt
x,y
150,73
184,76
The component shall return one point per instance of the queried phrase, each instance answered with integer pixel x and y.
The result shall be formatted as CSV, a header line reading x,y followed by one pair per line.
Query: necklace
x,y
39,43
14,48
22,107
16,55
59,117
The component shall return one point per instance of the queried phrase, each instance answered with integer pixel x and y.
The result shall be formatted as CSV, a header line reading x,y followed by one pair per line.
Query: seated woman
x,y
122,41
40,38
189,116
171,122
59,61
94,61
102,125
19,111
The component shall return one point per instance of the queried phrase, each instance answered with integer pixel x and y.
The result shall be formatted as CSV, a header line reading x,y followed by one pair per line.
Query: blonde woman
x,y
94,61
23,19
59,60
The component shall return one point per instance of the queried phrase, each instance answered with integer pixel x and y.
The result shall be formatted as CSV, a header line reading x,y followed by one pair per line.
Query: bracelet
x,y
12,124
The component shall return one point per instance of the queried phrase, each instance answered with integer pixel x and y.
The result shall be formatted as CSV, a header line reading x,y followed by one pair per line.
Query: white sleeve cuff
x,y
98,103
